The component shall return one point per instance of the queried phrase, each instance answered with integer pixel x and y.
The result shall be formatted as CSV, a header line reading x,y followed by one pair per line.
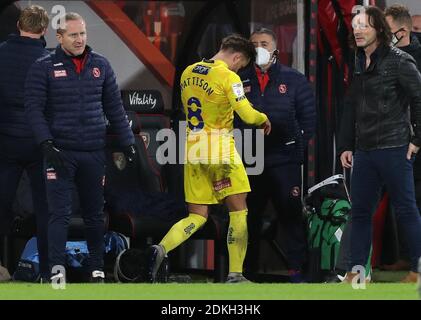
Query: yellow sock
x,y
237,240
181,231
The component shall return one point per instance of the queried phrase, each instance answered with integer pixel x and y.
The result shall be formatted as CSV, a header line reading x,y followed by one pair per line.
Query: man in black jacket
x,y
18,149
416,26
400,23
376,137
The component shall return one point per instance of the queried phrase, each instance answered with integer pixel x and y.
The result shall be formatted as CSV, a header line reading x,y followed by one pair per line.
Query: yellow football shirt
x,y
210,93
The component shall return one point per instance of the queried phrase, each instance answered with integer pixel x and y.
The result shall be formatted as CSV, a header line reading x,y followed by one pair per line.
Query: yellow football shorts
x,y
207,183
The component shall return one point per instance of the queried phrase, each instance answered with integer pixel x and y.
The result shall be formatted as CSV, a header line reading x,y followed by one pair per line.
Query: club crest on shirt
x,y
146,137
282,88
96,72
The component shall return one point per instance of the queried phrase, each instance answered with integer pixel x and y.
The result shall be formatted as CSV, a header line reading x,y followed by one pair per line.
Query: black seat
x,y
150,125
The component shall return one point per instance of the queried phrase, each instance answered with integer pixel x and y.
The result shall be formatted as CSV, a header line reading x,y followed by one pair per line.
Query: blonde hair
x,y
33,19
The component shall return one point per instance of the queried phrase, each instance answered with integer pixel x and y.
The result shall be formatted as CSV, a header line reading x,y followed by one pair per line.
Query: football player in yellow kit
x,y
211,92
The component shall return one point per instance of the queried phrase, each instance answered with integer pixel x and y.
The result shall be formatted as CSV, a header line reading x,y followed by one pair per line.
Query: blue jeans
x,y
371,171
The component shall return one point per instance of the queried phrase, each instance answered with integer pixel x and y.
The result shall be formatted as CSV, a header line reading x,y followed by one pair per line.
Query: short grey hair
x,y
70,16
265,31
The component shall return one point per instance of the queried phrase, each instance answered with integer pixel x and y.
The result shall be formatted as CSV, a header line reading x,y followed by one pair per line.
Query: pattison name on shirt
x,y
198,82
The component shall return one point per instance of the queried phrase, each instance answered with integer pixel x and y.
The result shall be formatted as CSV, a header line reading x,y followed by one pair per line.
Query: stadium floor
x,y
385,286
209,291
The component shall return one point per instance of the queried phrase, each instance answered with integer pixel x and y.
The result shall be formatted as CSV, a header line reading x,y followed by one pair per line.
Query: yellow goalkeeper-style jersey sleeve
x,y
250,115
210,94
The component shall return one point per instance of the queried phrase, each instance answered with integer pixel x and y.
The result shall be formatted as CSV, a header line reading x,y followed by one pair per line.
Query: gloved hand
x,y
130,152
52,155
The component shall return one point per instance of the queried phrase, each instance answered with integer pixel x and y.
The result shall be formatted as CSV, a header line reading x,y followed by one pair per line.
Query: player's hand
x,y
346,159
267,127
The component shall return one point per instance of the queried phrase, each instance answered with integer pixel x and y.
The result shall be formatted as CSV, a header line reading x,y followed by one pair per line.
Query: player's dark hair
x,y
237,43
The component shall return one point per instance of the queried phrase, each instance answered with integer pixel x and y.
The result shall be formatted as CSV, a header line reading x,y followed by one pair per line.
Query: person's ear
x,y
235,57
59,37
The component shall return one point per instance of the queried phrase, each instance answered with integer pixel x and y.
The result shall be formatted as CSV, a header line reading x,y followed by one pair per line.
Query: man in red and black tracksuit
x,y
18,149
68,94
286,97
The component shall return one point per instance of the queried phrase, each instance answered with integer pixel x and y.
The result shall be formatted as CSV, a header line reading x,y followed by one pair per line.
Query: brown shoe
x,y
399,265
411,277
349,276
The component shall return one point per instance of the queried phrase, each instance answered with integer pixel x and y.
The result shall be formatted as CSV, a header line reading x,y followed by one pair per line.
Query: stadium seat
x,y
149,127
141,173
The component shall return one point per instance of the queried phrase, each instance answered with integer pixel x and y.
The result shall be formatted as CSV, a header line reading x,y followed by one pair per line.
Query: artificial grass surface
x,y
209,291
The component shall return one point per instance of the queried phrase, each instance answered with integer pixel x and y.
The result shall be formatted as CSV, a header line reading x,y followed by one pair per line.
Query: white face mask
x,y
263,56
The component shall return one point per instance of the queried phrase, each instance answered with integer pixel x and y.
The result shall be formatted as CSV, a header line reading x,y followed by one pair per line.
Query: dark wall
x,y
206,23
